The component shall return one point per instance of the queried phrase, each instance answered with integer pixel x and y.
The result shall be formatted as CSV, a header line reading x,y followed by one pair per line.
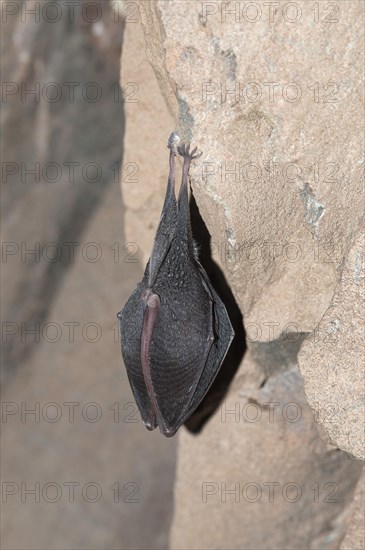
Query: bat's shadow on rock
x,y
220,386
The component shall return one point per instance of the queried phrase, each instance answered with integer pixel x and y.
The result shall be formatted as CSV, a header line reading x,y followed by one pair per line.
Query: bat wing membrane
x,y
224,335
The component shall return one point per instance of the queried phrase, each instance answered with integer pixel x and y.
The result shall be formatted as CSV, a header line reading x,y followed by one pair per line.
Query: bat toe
x,y
184,151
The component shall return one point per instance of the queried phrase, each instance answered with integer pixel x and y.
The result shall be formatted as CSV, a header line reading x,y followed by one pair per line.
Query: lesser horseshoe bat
x,y
175,330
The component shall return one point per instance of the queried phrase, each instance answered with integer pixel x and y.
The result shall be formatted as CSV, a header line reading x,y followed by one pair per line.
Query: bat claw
x,y
184,151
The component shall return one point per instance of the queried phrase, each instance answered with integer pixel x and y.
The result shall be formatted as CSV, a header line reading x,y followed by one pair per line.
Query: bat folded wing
x,y
130,321
173,345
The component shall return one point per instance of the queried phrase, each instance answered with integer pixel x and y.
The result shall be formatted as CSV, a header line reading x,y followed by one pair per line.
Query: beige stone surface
x,y
332,359
259,476
355,536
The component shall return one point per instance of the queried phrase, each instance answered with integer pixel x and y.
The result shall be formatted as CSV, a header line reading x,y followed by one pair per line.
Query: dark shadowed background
x,y
79,470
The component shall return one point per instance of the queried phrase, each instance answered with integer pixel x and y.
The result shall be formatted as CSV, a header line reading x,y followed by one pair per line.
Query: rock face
x,y
355,535
259,473
333,365
271,92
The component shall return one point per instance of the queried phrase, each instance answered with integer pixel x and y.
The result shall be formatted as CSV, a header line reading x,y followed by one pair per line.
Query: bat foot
x,y
184,151
173,141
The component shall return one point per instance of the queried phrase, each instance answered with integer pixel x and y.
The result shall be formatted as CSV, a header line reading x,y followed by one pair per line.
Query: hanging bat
x,y
175,330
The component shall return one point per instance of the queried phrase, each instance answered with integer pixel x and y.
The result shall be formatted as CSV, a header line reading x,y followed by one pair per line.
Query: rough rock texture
x,y
355,536
259,476
272,94
333,364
